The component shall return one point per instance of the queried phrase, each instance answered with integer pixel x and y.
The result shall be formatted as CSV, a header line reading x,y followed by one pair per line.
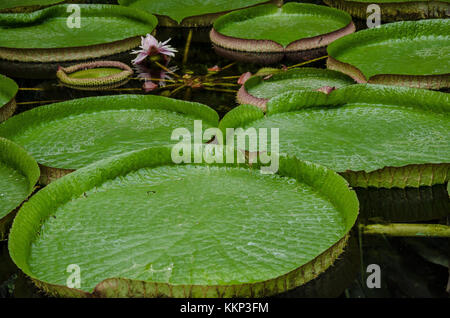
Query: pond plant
x,y
82,131
17,6
23,6
35,52
101,75
395,10
19,174
266,34
258,90
169,243
373,135
152,64
409,53
190,13
8,91
93,186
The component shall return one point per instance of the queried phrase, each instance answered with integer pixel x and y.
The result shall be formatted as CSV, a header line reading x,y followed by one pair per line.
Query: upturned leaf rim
x,y
17,158
412,175
47,113
33,213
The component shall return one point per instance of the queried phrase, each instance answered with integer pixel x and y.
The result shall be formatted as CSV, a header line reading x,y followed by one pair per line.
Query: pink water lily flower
x,y
150,46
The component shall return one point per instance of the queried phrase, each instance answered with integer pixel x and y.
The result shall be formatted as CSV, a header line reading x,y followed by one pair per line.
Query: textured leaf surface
x,y
13,189
8,89
403,48
293,21
48,28
76,133
231,227
359,127
18,175
7,4
178,10
296,79
95,73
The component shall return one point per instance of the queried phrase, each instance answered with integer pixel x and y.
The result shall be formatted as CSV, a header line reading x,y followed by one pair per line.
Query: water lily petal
x,y
140,58
149,86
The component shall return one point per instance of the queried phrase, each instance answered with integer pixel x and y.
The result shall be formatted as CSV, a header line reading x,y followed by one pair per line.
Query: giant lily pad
x,y
266,33
191,13
19,174
395,10
410,53
258,90
70,135
8,91
104,30
25,5
95,76
192,230
374,135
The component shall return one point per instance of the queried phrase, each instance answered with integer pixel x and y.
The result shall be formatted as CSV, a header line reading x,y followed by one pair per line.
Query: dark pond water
x,y
410,267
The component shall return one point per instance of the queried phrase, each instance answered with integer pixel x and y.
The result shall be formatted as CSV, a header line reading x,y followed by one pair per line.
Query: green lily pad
x,y
374,135
232,235
411,53
269,29
8,91
191,12
26,3
76,133
95,73
258,90
100,75
395,10
19,174
104,30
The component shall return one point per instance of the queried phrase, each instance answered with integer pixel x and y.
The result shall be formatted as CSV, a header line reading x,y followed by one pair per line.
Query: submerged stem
x,y
408,230
30,89
220,90
124,89
220,84
221,69
40,102
308,62
186,48
155,79
176,90
229,77
166,69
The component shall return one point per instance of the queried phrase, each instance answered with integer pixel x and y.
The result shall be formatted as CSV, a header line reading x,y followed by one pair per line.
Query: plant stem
x,y
171,85
186,48
220,90
223,68
154,79
229,77
227,66
176,90
407,230
308,62
124,89
220,84
40,102
166,69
